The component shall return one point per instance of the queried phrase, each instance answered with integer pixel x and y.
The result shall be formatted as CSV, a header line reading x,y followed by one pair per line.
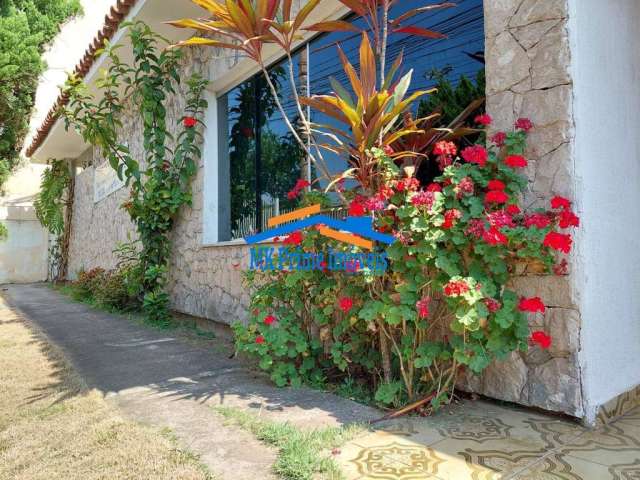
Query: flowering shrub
x,y
443,302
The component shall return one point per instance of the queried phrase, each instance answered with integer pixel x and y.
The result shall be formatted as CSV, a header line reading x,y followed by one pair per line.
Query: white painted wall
x,y
606,73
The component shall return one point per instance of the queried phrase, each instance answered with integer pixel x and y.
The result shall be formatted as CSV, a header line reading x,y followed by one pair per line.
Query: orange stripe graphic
x,y
295,215
346,238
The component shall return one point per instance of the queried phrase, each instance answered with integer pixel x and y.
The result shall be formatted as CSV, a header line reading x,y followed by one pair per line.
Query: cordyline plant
x,y
160,182
442,304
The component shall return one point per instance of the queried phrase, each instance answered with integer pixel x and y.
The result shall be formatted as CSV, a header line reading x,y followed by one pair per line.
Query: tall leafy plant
x,y
160,181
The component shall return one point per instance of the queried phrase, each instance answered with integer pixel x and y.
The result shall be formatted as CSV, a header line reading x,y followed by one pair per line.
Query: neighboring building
x,y
571,66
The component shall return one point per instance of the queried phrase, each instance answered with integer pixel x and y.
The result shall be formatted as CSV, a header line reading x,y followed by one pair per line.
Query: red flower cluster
x,y
515,161
294,238
494,236
299,186
568,219
538,220
484,119
476,227
558,241
259,339
513,209
450,217
496,196
434,187
456,288
498,139
422,306
356,209
524,124
495,185
189,122
500,219
475,154
558,202
541,339
269,320
532,305
346,304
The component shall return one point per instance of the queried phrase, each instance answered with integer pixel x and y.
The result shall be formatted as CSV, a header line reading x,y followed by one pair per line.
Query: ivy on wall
x,y
160,181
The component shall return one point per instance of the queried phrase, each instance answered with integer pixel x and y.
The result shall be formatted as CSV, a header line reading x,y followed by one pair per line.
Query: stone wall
x,y
528,58
527,55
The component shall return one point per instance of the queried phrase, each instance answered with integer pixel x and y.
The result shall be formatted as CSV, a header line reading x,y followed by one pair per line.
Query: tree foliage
x,y
25,28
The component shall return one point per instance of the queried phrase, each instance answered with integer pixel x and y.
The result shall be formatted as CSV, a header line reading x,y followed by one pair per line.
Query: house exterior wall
x,y
606,70
528,75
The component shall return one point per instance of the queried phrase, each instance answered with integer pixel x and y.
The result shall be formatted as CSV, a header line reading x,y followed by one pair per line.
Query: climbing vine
x,y
53,209
160,181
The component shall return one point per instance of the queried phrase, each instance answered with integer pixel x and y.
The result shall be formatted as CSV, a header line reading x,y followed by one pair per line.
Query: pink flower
x,y
498,139
484,119
500,219
445,148
492,305
388,150
515,161
455,288
524,124
475,154
422,306
476,228
531,305
346,304
465,187
423,199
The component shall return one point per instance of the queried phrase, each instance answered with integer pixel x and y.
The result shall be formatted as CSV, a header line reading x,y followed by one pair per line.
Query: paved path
x,y
168,381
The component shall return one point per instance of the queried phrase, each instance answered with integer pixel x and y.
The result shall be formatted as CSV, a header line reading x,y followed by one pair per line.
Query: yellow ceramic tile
x,y
631,418
613,444
554,467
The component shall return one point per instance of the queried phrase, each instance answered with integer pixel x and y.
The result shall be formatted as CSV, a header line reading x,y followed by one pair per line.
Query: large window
x,y
261,160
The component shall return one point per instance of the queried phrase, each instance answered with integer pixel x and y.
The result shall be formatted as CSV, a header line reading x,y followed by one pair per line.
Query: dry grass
x,y
52,427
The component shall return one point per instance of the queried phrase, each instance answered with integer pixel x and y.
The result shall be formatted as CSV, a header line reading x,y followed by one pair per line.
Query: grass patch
x,y
53,427
302,454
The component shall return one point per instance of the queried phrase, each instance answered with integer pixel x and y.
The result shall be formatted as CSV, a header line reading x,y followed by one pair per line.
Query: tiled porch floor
x,y
482,441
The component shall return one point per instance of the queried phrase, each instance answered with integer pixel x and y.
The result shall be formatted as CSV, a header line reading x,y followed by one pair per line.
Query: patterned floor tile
x,y
565,467
614,444
631,418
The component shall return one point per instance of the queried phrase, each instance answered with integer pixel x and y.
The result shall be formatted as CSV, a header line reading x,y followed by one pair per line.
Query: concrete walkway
x,y
168,381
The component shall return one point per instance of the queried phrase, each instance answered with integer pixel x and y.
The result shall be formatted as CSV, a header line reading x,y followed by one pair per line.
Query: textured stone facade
x,y
527,52
528,58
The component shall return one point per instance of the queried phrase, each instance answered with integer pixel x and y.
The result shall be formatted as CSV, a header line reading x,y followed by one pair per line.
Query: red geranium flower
x,y
524,124
445,148
356,209
385,192
423,198
484,119
475,154
495,185
294,238
476,227
540,338
450,217
346,304
560,202
500,219
568,219
455,288
422,306
190,122
538,220
493,236
492,305
496,196
513,209
465,187
515,161
558,241
269,320
498,139
434,187
259,339
532,305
